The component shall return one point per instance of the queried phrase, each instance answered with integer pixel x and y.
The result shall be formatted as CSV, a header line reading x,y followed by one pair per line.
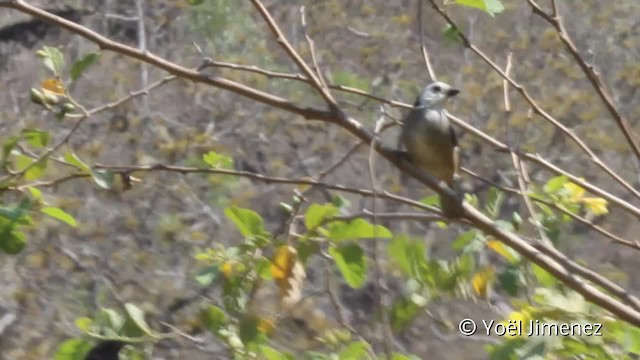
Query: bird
x,y
431,142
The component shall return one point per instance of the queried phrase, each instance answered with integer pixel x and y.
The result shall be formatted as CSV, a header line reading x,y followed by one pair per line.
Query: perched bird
x,y
431,141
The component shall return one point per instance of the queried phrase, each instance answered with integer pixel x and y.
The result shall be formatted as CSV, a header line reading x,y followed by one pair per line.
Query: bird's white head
x,y
435,95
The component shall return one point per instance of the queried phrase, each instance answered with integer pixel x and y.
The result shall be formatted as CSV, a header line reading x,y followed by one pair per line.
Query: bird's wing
x,y
453,136
456,153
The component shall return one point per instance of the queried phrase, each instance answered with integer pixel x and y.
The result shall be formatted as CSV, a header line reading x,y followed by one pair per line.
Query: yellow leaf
x,y
480,280
227,269
53,85
288,274
575,191
501,249
598,206
283,262
520,319
266,326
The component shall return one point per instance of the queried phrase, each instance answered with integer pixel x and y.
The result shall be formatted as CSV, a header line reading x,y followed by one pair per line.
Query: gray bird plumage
x,y
429,138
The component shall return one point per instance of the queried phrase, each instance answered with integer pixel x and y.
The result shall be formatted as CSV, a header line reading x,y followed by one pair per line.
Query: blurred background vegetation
x,y
138,246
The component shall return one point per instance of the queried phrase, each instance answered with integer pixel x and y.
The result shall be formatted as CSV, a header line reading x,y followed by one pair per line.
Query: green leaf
x,y
317,213
555,184
247,221
84,323
72,159
206,276
507,350
543,276
356,350
508,279
351,262
83,64
14,213
494,202
357,229
6,149
103,178
433,200
137,316
35,192
36,137
72,349
53,59
213,318
248,329
270,353
23,162
491,7
195,2
12,241
634,340
216,160
451,34
112,318
61,215
463,240
408,254
263,268
340,202
402,313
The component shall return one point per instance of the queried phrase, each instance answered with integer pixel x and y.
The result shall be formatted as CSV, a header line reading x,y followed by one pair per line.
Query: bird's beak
x,y
452,92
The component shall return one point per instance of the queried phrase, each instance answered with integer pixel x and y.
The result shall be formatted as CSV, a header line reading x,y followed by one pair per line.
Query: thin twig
x,y
523,182
555,20
312,48
423,48
534,105
634,244
538,159
282,40
380,283
336,116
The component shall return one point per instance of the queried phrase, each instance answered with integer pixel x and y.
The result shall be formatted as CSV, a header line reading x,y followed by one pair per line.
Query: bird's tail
x,y
452,206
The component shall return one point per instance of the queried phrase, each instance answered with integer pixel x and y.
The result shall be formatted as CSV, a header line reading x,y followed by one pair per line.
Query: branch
x,y
469,213
105,44
425,54
555,20
634,244
538,159
282,40
536,108
126,169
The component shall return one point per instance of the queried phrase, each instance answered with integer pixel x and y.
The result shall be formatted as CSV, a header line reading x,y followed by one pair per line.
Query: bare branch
x,y
470,214
174,69
555,20
634,244
536,108
537,159
425,54
312,48
282,40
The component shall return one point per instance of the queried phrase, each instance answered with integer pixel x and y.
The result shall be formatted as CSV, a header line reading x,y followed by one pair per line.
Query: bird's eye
x,y
436,89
